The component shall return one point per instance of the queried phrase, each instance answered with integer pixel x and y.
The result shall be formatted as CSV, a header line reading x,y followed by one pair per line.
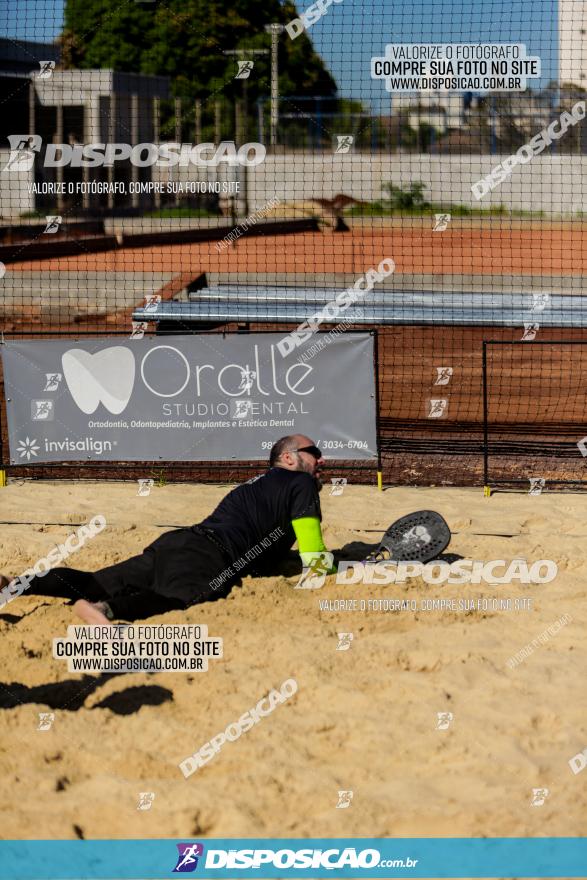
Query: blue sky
x,y
352,31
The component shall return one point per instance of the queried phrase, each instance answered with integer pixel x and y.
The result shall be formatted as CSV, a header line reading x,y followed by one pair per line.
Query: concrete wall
x,y
556,185
553,184
15,198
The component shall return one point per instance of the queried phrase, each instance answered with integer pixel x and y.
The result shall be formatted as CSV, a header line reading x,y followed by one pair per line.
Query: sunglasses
x,y
313,450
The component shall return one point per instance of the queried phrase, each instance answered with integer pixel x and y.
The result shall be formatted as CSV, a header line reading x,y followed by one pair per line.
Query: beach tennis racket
x,y
418,537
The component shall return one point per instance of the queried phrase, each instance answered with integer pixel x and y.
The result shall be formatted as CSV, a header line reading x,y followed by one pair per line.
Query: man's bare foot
x,y
92,612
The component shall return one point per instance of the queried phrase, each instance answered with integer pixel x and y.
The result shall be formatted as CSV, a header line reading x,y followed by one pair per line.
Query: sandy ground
x,y
363,719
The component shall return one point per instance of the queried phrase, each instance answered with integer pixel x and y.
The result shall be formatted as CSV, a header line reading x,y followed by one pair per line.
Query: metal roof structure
x,y
19,58
284,304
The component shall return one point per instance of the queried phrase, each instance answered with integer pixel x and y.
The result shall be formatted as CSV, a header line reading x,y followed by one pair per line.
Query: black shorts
x,y
181,565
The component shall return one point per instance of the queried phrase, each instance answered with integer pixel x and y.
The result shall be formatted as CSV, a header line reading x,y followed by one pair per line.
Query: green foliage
x,y
159,476
419,138
180,211
410,198
411,202
186,39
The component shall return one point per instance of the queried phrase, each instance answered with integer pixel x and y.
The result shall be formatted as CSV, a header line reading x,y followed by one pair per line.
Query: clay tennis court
x,y
491,247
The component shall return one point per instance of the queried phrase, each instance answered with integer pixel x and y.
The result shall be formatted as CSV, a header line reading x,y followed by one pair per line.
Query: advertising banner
x,y
186,398
258,858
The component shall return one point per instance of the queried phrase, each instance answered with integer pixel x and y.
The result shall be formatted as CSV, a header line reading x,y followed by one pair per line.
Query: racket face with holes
x,y
418,537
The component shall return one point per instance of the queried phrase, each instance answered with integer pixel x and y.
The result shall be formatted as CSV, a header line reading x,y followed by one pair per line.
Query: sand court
x,y
422,695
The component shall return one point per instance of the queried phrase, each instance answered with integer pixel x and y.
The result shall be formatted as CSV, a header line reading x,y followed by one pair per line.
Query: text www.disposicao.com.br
x,y
139,664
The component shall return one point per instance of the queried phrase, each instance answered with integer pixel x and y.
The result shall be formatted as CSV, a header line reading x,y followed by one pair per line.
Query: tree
x,y
186,39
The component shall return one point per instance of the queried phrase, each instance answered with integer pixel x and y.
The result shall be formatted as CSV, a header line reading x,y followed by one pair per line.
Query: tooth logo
x,y
106,377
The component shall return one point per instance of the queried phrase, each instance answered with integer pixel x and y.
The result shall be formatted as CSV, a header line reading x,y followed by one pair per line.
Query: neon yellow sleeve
x,y
308,534
310,542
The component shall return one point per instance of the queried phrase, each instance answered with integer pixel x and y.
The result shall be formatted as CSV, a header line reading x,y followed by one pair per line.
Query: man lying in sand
x,y
257,522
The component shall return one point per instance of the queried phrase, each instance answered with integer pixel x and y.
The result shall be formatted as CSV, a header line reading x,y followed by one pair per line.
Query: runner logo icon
x,y
23,149
188,855
53,380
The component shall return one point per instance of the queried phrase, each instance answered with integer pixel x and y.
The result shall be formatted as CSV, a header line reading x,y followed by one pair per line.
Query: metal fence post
x,y
485,424
2,463
375,336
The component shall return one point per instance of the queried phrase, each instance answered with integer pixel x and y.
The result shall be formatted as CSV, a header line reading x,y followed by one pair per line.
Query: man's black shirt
x,y
250,513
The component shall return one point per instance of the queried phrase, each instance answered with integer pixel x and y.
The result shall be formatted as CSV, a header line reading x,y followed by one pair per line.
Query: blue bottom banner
x,y
281,857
